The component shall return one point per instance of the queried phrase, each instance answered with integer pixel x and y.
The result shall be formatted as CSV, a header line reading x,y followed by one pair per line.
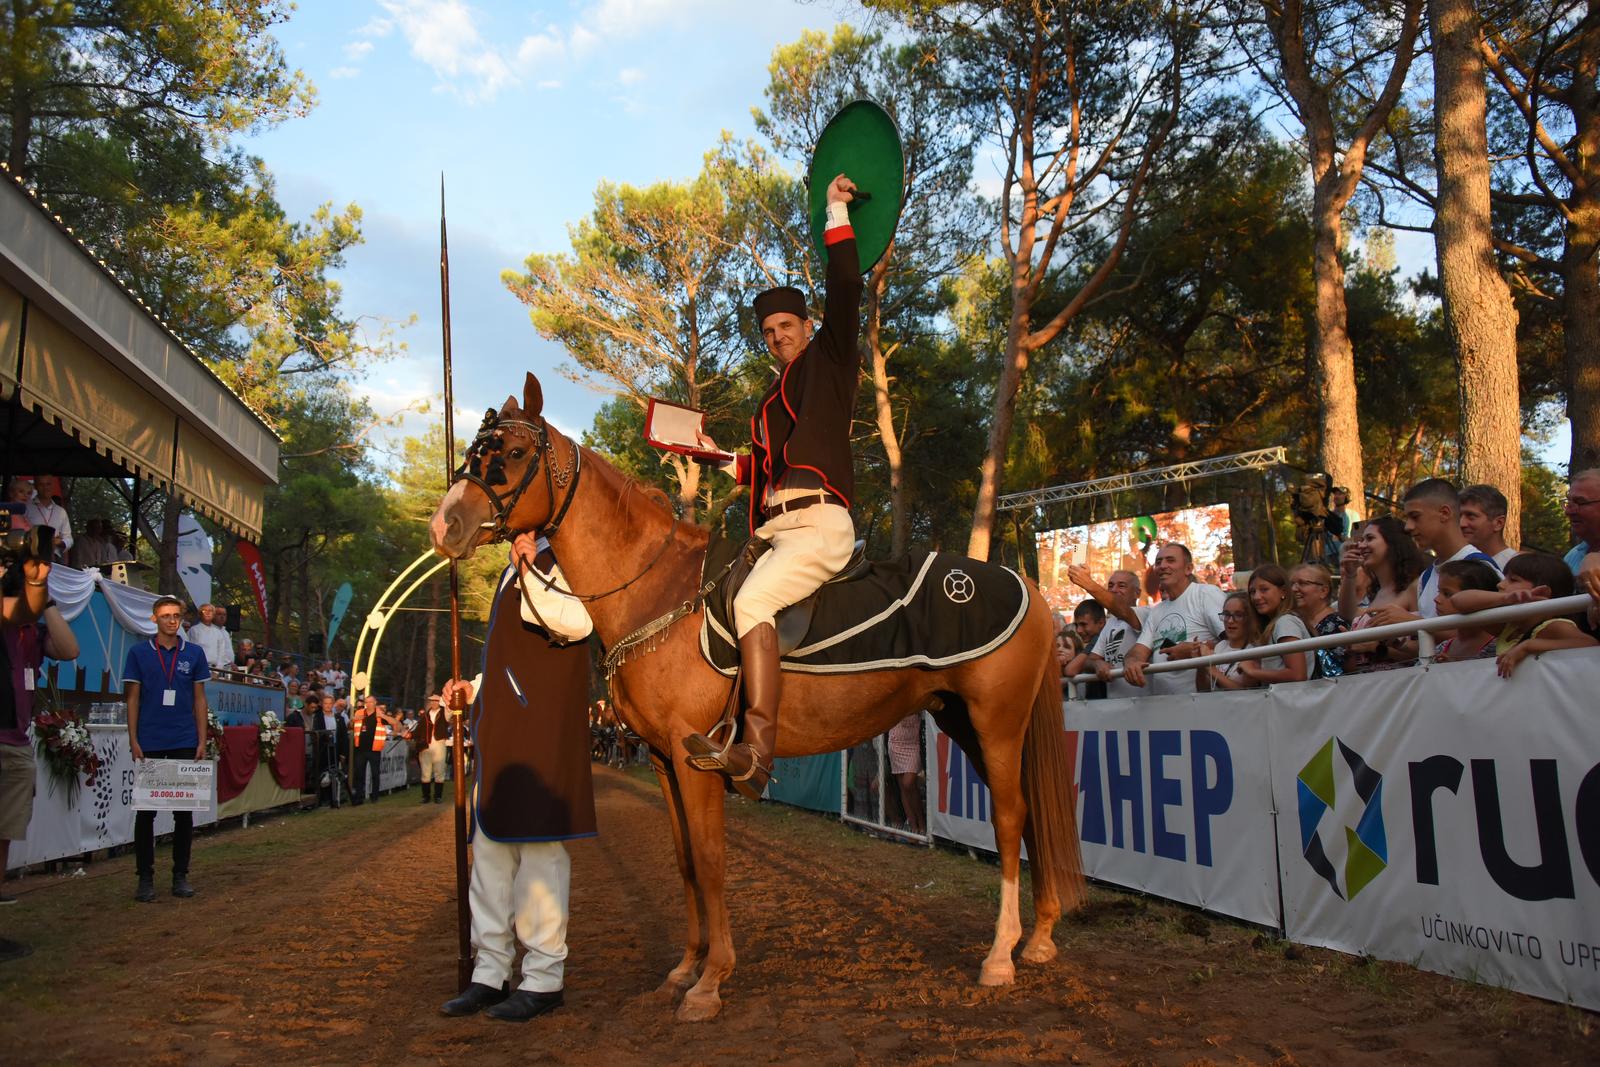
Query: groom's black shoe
x,y
474,999
523,1005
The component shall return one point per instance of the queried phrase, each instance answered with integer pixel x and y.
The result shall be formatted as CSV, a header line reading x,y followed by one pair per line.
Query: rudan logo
x,y
1366,846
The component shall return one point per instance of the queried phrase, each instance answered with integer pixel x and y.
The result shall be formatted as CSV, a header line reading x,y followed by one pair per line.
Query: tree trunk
x,y
412,631
1581,322
1248,523
1005,413
1333,362
167,548
900,534
1335,173
307,620
1580,317
277,612
1478,314
21,113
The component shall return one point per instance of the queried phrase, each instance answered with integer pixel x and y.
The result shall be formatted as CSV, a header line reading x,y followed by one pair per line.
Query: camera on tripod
x,y
1309,501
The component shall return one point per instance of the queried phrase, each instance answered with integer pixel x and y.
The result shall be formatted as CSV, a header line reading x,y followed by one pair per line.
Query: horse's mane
x,y
632,493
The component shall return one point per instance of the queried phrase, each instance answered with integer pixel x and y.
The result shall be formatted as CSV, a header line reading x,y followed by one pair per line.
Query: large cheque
x,y
172,785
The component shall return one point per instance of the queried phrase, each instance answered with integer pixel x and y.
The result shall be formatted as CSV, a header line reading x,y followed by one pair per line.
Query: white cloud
x,y
540,49
344,72
619,18
444,35
583,40
477,65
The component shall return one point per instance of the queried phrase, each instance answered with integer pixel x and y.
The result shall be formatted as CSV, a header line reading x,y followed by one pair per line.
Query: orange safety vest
x,y
359,724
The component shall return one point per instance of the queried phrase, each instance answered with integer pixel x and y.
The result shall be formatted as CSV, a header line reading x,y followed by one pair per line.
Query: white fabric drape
x,y
71,589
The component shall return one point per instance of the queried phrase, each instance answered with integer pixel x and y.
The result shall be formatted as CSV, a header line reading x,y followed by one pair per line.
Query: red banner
x,y
253,569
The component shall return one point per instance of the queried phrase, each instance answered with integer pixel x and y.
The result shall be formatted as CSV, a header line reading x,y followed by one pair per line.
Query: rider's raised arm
x,y
841,305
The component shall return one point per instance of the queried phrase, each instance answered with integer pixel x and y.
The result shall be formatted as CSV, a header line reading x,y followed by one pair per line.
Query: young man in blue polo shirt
x,y
165,682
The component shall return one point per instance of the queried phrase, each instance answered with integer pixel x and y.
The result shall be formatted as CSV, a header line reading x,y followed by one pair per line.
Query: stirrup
x,y
704,753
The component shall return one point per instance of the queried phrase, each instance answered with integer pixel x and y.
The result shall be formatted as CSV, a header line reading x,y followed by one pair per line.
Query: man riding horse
x,y
801,478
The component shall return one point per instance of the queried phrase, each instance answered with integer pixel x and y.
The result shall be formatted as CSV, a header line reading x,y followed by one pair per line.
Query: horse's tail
x,y
1049,787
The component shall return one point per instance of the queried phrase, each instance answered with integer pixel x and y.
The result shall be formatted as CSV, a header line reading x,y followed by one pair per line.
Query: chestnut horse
x,y
623,551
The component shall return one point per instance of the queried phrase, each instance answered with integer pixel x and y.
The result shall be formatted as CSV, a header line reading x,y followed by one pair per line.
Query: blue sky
x,y
525,108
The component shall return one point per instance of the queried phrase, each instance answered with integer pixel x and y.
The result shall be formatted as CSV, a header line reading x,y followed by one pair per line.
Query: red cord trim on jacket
x,y
834,235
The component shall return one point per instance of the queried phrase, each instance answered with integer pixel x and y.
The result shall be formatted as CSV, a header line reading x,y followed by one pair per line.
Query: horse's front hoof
x,y
1039,952
997,972
698,1007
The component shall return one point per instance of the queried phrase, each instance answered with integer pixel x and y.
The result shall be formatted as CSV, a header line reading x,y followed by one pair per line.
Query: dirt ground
x,y
330,938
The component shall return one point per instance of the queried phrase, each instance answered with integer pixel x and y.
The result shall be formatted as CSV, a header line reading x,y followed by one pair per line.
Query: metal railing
x,y
1422,628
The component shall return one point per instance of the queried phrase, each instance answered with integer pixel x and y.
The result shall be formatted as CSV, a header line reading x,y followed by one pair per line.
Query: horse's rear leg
x,y
1009,811
701,795
687,972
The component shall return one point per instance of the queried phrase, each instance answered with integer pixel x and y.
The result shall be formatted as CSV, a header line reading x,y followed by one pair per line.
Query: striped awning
x,y
87,357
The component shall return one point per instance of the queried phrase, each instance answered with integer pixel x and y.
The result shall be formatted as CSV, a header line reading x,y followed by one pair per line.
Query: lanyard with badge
x,y
169,695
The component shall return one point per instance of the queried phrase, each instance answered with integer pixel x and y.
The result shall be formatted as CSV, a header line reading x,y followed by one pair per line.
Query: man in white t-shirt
x,y
1433,518
213,637
1483,522
1188,614
1124,619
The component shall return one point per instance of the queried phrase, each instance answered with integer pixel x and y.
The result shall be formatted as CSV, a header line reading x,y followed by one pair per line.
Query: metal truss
x,y
1260,459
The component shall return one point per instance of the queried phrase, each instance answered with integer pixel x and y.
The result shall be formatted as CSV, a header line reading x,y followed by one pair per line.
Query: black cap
x,y
784,298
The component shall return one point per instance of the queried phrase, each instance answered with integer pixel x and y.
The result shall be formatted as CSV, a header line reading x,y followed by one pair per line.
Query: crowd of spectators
x,y
1444,555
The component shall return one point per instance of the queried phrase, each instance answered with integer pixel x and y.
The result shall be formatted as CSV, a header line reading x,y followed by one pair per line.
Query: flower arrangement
x,y
213,737
68,753
270,732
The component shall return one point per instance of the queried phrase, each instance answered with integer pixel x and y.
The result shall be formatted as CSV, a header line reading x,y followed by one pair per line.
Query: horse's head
x,y
511,480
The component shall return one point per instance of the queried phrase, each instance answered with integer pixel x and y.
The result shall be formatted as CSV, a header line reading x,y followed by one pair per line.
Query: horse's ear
x,y
532,397
509,405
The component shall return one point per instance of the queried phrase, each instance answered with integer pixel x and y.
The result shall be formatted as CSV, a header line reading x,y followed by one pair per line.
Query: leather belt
x,y
798,502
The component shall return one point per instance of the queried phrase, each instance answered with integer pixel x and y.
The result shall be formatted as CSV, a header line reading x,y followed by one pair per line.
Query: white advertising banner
x,y
1174,798
392,766
102,814
174,785
1449,818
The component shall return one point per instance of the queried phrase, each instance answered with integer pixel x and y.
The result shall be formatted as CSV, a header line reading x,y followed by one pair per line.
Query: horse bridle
x,y
486,452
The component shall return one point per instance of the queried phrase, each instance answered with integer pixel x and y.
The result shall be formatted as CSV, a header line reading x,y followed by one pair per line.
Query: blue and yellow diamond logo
x,y
1366,846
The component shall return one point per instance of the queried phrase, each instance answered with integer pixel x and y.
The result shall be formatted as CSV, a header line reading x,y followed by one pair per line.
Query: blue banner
x,y
341,604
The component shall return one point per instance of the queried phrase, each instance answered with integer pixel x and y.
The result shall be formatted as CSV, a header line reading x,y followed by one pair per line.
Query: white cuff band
x,y
838,214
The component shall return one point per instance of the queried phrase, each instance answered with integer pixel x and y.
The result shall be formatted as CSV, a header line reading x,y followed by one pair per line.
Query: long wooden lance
x,y
458,703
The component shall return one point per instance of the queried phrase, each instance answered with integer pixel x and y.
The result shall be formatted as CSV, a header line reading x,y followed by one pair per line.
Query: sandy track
x,y
330,938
